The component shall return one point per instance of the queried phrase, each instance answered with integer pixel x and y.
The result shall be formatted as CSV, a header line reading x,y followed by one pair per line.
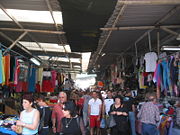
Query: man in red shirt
x,y
57,113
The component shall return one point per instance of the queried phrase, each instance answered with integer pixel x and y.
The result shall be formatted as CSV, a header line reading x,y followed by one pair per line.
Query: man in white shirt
x,y
94,111
108,102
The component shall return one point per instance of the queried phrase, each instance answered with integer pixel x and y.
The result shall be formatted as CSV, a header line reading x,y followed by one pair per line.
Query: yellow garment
x,y
40,75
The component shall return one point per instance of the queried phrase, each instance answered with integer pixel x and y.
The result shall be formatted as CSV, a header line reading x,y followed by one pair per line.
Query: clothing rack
x,y
14,51
169,55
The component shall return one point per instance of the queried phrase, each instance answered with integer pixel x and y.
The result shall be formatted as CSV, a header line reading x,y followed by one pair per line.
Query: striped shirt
x,y
149,113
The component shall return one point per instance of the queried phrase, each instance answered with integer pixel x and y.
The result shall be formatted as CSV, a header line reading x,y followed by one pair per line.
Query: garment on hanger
x,y
150,59
53,80
1,68
47,83
7,69
32,79
17,70
12,68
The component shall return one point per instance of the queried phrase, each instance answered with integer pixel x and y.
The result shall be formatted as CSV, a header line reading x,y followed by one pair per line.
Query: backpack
x,y
41,123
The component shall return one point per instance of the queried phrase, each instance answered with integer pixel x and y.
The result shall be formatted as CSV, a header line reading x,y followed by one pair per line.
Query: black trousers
x,y
116,131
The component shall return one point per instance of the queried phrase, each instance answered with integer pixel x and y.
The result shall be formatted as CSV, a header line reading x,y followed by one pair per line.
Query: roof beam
x,y
56,26
56,54
17,23
15,42
170,31
65,63
20,46
119,16
164,18
138,27
150,2
33,31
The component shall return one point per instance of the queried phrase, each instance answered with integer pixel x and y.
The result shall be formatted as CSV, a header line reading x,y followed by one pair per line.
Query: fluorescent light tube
x,y
170,48
36,62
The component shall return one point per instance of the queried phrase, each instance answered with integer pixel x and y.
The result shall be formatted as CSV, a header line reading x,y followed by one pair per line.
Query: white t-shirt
x,y
108,103
150,59
94,104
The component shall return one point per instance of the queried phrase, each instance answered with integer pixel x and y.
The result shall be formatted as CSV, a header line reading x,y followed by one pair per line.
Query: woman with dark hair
x,y
29,117
71,124
120,115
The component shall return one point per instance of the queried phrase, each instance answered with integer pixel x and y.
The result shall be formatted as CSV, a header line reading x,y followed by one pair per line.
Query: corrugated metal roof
x,y
134,15
143,15
41,7
30,5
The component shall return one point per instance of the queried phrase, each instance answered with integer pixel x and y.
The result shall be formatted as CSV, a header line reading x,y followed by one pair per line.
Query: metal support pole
x,y
158,42
57,28
149,38
136,50
138,27
33,31
15,42
170,31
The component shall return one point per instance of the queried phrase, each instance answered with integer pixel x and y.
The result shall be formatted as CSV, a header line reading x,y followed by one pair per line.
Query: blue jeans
x,y
149,129
132,123
175,131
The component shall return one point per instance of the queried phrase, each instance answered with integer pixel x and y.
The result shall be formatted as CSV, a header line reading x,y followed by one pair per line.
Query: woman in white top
x,y
29,117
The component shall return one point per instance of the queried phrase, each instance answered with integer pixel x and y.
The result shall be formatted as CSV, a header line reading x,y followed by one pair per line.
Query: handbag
x,y
19,129
103,123
111,122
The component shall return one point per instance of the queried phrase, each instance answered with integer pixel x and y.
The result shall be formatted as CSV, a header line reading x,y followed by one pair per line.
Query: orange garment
x,y
100,84
7,69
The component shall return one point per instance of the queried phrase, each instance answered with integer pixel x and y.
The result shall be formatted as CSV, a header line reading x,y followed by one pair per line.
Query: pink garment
x,y
155,74
17,70
53,78
19,86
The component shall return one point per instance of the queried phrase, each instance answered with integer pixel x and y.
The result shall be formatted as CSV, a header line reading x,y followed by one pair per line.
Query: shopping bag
x,y
103,123
111,122
18,129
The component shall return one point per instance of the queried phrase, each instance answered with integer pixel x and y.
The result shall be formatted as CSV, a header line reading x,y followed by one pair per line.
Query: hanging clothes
x,y
39,75
150,59
32,79
1,68
47,83
141,81
7,69
17,70
12,68
3,61
166,77
38,87
53,79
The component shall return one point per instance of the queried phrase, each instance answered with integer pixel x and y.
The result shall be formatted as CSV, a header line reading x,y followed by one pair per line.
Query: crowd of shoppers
x,y
90,113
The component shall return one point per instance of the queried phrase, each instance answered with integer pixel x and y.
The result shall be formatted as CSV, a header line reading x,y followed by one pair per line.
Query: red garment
x,y
94,122
145,74
25,86
53,79
38,88
80,103
57,114
171,111
21,86
47,86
